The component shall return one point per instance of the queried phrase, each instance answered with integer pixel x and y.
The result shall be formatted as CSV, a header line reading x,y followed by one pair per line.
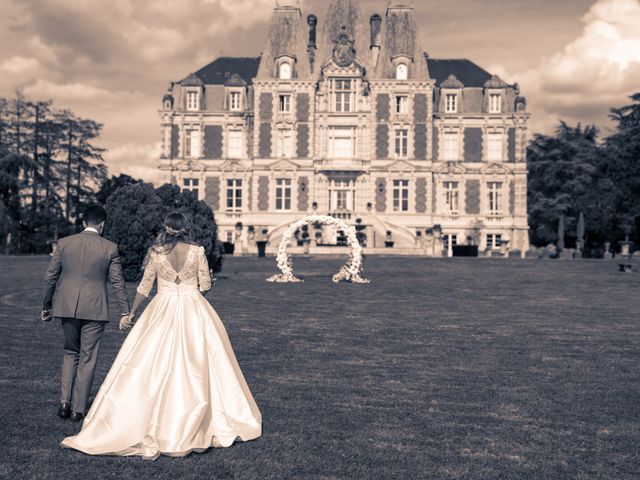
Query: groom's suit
x,y
76,288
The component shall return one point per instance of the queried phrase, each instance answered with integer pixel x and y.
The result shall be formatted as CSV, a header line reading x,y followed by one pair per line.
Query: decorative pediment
x,y
190,166
452,82
401,166
191,81
495,169
495,82
452,168
235,166
283,166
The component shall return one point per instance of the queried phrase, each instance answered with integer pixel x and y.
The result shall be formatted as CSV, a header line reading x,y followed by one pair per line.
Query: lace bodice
x,y
195,271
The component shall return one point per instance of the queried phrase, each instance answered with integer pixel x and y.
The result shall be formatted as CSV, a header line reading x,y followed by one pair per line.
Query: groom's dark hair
x,y
94,214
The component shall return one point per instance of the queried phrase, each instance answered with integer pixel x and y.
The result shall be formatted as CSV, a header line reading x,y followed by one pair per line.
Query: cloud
x,y
66,92
138,161
18,64
591,74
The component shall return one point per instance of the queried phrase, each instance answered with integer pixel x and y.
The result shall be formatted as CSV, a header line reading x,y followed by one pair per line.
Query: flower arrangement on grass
x,y
350,272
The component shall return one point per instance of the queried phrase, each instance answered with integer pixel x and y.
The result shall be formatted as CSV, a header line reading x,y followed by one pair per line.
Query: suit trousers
x,y
81,344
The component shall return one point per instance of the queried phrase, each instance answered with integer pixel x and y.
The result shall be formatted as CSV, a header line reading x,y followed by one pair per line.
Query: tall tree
x,y
623,167
564,172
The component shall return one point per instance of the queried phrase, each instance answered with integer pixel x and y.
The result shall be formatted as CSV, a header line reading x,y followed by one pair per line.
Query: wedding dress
x,y
175,386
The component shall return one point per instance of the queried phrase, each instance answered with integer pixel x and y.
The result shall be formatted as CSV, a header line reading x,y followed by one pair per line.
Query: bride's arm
x,y
204,278
144,289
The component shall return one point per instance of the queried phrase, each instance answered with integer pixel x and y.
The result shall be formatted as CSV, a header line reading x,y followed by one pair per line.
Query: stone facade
x,y
353,120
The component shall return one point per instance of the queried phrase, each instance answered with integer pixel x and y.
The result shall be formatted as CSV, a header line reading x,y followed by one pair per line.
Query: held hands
x,y
127,321
45,315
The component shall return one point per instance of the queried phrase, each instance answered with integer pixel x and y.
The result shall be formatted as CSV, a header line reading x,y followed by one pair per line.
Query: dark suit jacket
x,y
78,274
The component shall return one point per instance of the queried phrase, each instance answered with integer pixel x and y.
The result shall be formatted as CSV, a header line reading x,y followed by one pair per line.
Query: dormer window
x,y
402,71
343,89
235,101
402,104
285,71
192,101
451,105
495,103
284,104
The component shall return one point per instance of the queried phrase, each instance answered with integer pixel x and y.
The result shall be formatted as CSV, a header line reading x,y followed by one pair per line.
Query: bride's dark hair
x,y
175,229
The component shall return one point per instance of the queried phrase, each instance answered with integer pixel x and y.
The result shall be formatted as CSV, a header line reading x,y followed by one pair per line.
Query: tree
x,y
136,213
623,167
566,177
110,185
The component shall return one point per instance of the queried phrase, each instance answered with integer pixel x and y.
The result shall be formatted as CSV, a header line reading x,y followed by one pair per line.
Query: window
x,y
451,196
493,240
402,143
341,142
229,236
401,195
235,144
495,103
343,94
234,195
284,143
494,147
285,103
283,194
450,146
191,185
494,194
402,72
451,103
285,71
341,196
235,104
402,104
448,237
192,101
192,143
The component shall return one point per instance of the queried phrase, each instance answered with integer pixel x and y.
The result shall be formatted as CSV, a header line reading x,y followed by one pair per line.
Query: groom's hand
x,y
126,321
45,315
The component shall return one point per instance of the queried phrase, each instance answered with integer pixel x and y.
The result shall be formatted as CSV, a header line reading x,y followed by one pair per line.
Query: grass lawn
x,y
439,369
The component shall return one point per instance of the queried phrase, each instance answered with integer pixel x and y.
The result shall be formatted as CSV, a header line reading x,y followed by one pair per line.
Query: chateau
x,y
348,116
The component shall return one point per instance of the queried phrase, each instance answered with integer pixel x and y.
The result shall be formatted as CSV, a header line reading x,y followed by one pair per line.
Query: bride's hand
x,y
126,321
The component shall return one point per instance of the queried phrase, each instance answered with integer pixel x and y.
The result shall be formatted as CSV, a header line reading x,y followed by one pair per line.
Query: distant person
x,y
175,386
76,293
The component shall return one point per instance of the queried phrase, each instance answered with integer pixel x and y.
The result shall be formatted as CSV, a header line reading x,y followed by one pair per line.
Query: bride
x,y
175,386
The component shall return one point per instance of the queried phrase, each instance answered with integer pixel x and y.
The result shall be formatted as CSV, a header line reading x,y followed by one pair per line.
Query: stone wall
x,y
263,194
212,193
213,142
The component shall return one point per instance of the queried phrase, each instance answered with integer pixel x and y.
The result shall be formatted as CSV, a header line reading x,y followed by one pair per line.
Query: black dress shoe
x,y
65,410
76,417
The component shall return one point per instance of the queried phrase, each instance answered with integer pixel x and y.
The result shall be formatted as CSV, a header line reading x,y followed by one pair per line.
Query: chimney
x,y
376,34
312,21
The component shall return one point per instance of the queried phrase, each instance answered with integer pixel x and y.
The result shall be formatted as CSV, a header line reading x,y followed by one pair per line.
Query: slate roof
x,y
221,70
467,72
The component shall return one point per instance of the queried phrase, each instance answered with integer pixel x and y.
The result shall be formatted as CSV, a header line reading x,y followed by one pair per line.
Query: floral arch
x,y
350,272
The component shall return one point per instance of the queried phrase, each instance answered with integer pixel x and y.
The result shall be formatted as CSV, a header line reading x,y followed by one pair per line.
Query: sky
x,y
112,61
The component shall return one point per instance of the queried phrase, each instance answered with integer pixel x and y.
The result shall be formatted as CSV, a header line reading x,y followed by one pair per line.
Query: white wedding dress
x,y
175,386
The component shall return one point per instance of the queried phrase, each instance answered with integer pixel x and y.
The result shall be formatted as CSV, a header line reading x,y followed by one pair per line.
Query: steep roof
x,y
401,38
221,69
287,36
344,16
467,72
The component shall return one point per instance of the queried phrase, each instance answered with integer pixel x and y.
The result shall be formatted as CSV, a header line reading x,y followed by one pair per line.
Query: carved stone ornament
x,y
343,52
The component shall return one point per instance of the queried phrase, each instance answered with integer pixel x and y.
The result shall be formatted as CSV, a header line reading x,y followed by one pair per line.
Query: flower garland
x,y
350,272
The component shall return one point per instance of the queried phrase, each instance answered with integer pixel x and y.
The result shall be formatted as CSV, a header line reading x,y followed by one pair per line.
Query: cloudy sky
x,y
112,61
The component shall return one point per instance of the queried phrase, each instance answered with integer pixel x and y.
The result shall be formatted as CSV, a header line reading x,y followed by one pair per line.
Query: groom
x,y
77,275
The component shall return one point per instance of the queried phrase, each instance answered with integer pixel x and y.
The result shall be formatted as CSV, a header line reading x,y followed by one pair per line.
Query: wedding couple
x,y
175,386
